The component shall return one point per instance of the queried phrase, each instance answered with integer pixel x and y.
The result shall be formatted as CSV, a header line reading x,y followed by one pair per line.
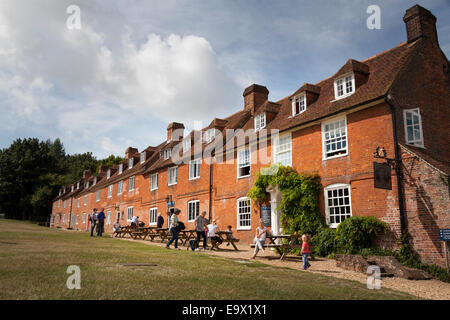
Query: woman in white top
x,y
215,240
260,238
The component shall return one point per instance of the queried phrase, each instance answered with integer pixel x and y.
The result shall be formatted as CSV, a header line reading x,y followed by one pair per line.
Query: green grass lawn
x,y
34,260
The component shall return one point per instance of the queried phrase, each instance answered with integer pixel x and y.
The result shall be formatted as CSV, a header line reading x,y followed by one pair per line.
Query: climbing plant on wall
x,y
299,205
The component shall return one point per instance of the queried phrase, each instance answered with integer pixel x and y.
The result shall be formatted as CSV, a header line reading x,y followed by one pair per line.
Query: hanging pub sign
x,y
382,175
171,203
266,216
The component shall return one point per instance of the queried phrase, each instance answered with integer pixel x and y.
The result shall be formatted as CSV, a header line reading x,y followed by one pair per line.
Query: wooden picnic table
x,y
186,235
124,231
143,232
226,236
163,233
282,248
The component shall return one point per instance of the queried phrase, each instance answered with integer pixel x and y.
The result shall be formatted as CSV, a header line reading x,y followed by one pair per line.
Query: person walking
x,y
100,222
200,223
260,238
173,229
305,251
93,221
159,221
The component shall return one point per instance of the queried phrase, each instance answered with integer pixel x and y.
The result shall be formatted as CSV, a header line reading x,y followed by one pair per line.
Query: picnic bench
x,y
185,236
124,231
163,233
144,232
281,248
226,237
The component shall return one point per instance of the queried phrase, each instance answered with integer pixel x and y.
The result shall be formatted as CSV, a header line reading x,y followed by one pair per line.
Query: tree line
x,y
33,171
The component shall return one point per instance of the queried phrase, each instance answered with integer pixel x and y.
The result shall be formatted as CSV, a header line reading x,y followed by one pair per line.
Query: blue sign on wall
x,y
444,234
171,203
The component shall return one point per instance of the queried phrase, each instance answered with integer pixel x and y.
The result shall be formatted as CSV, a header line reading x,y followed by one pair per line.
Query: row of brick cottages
x,y
332,127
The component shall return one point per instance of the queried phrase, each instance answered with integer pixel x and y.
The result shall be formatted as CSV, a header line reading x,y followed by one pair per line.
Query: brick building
x,y
398,100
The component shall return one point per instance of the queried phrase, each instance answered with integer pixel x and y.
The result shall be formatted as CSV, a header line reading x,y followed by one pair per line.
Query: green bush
x,y
366,252
324,242
356,233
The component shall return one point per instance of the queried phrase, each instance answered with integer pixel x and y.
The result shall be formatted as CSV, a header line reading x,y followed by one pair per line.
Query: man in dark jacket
x,y
160,221
100,222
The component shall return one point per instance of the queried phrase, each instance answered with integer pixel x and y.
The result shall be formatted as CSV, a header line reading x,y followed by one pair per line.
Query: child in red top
x,y
305,252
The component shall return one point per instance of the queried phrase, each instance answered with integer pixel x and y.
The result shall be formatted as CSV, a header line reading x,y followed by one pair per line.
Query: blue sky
x,y
135,66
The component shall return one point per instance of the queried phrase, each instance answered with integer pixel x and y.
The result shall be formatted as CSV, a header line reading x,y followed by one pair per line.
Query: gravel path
x,y
426,289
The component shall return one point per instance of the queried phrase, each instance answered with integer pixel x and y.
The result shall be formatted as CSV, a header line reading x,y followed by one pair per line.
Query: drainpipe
x,y
397,166
210,186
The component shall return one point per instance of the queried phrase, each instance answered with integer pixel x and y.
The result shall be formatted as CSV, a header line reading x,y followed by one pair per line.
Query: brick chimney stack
x,y
254,96
171,128
130,152
86,174
420,23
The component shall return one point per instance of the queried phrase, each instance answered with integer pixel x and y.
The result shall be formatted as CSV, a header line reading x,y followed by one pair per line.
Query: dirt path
x,y
426,289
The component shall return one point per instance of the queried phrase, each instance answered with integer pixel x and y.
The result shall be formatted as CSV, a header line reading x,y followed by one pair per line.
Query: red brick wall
x,y
427,205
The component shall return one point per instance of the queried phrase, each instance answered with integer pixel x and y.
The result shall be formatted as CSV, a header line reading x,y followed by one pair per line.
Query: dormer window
x,y
166,154
130,163
86,185
344,86
210,134
73,187
260,121
78,185
95,181
186,144
298,104
108,174
120,168
143,157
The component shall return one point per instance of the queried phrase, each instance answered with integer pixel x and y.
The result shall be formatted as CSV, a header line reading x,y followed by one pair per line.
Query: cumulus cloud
x,y
85,90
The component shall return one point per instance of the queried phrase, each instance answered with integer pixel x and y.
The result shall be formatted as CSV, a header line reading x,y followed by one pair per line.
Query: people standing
x,y
160,221
173,229
200,224
93,221
100,222
260,238
305,251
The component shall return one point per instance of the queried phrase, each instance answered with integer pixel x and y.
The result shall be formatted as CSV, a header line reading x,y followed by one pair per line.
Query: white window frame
x,y
186,144
130,210
194,169
76,221
345,86
331,188
169,183
130,163
195,205
86,185
108,174
121,168
95,181
152,184
78,202
119,187
301,99
64,204
238,223
83,217
324,140
97,196
260,121
85,200
276,149
110,190
131,179
108,217
78,185
152,216
143,156
243,163
210,134
73,187
166,154
414,142
59,203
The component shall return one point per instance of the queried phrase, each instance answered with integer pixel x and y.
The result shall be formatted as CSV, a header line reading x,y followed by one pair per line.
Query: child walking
x,y
305,251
